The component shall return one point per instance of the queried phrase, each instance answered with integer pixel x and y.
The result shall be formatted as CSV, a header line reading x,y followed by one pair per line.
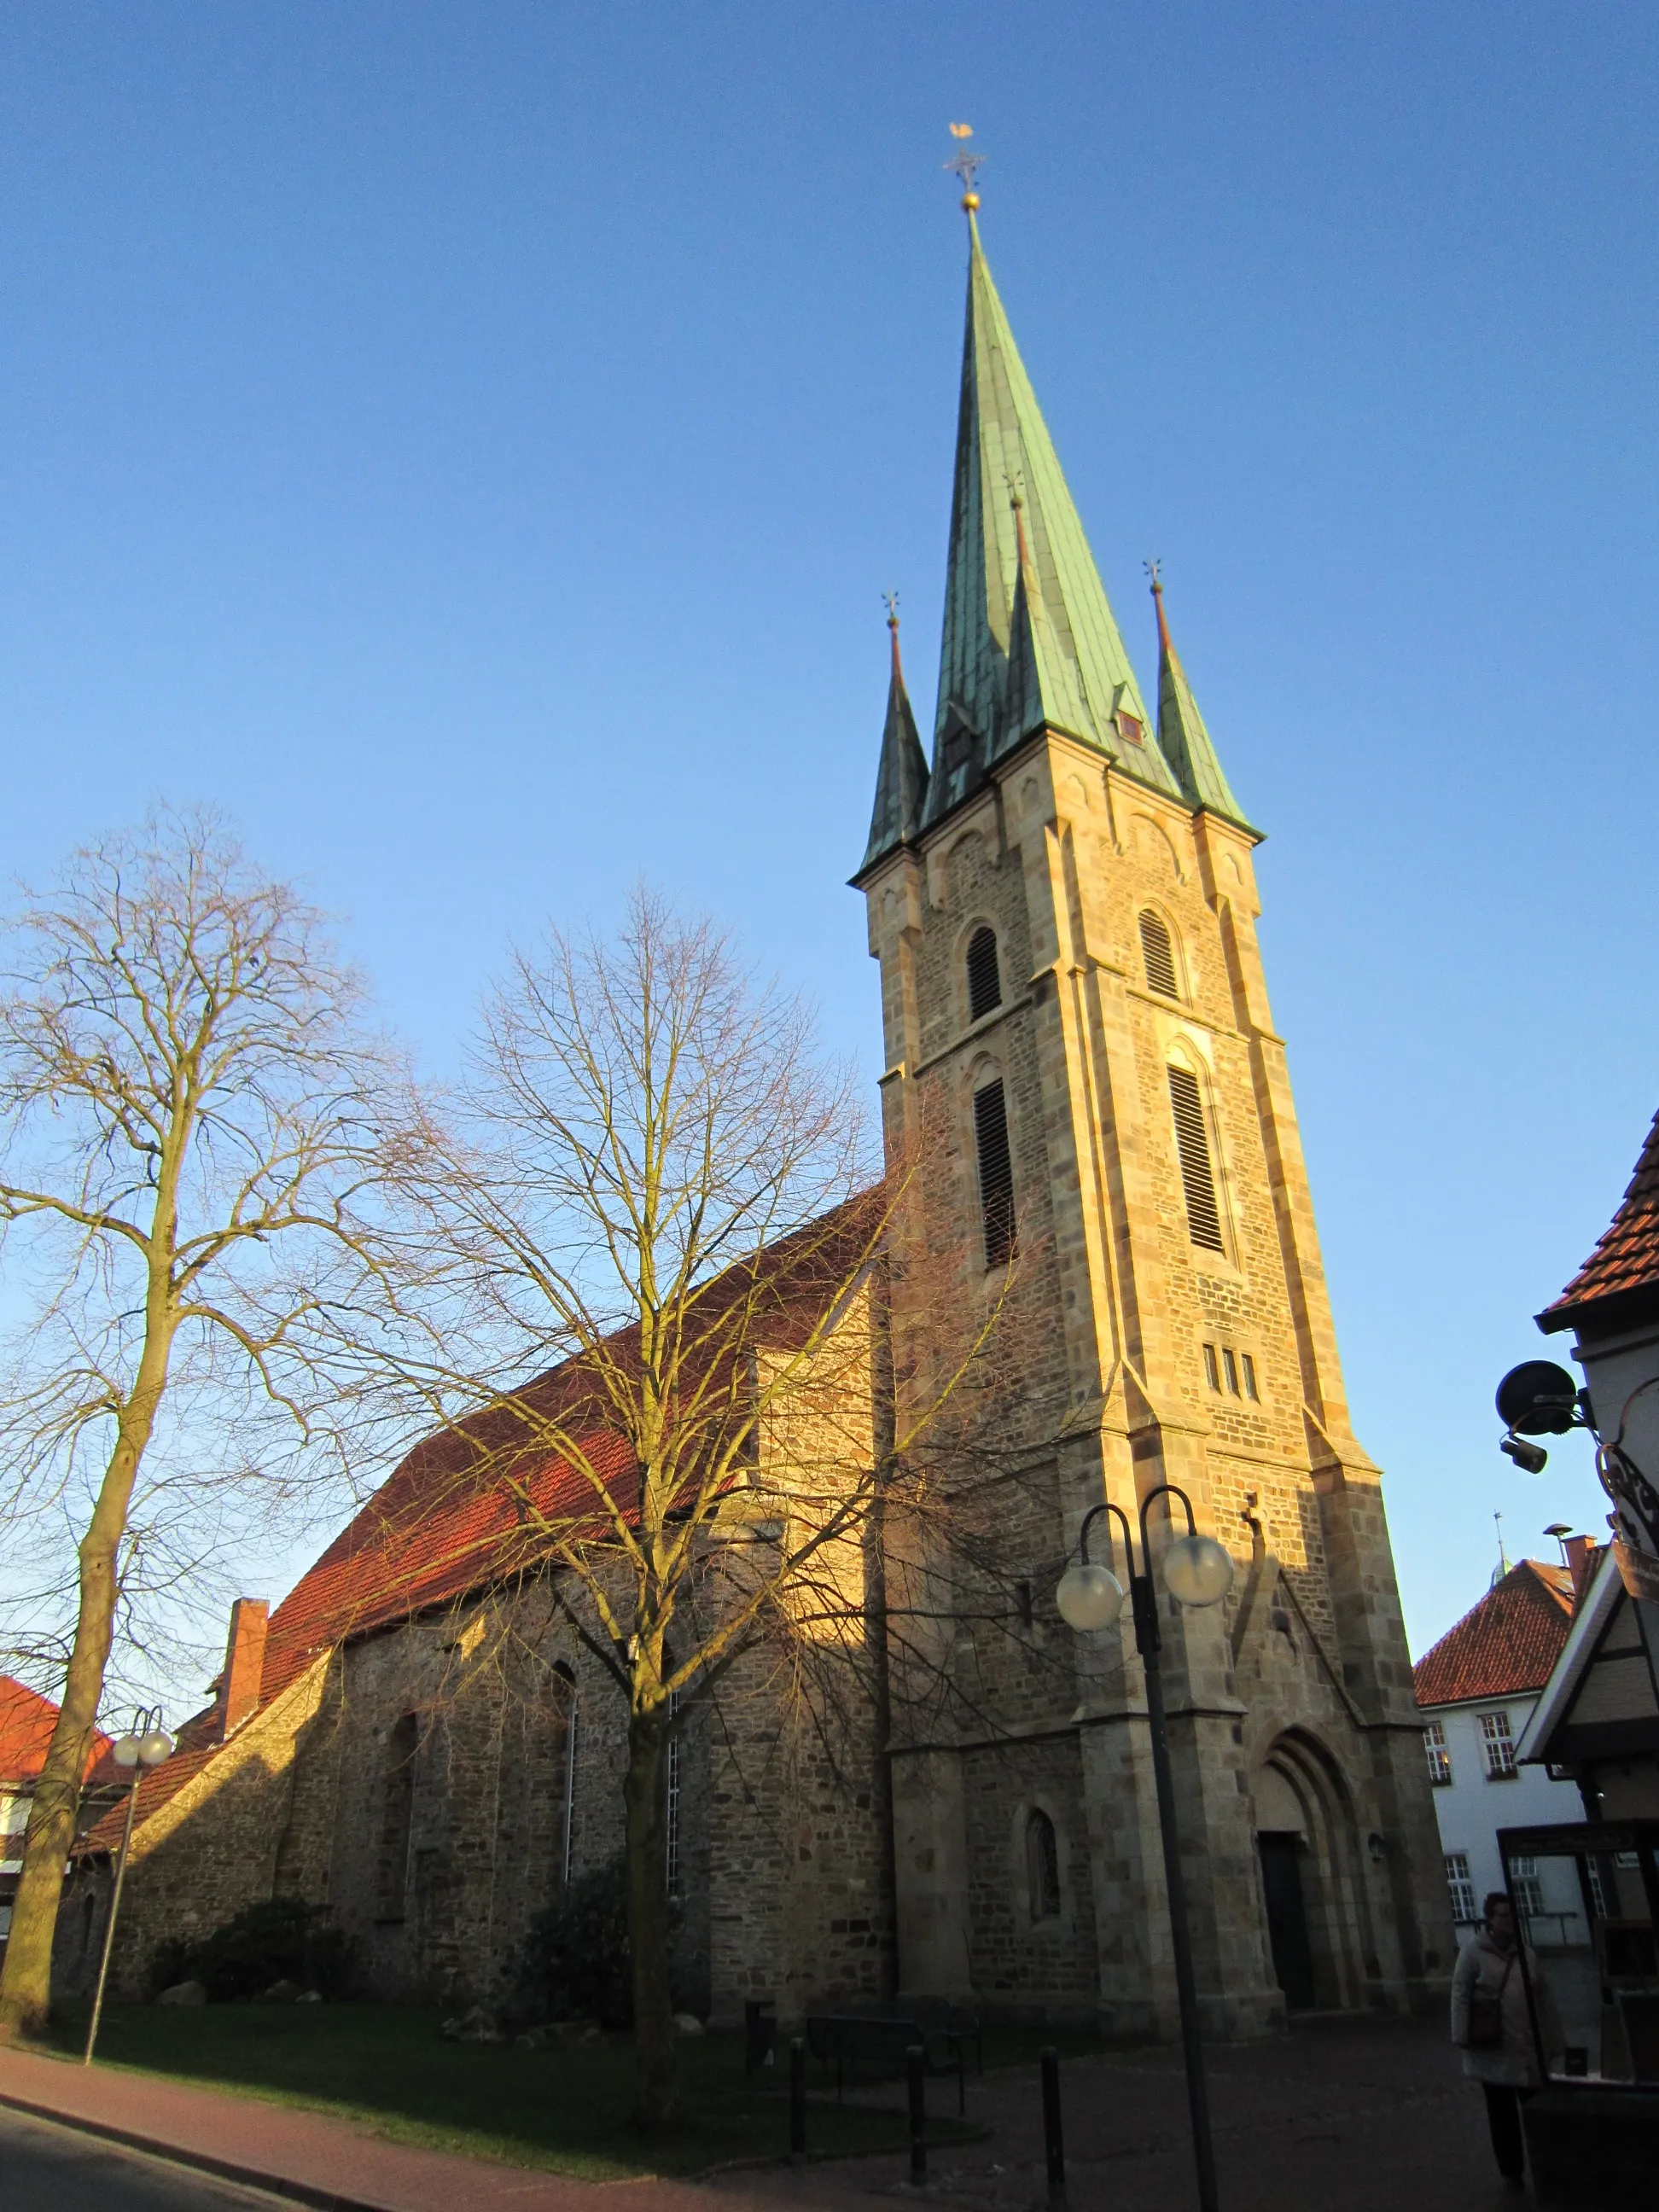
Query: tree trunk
x,y
25,1979
645,1794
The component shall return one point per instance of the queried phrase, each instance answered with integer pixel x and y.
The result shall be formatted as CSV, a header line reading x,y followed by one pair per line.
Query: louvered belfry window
x,y
996,1173
1159,954
1197,1175
984,975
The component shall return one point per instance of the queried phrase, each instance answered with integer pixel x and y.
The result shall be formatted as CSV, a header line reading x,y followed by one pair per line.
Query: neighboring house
x,y
27,1721
1600,1714
1476,1689
1080,1056
1597,1717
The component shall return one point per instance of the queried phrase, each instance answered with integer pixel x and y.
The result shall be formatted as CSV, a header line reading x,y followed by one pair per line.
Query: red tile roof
x,y
1626,1260
27,1721
448,1521
1508,1643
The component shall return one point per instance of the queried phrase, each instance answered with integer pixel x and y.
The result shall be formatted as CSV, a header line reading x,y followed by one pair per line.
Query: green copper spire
x,y
902,779
1181,731
1045,611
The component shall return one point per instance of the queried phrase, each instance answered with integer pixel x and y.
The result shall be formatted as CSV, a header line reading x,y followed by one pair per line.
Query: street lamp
x,y
1197,1571
146,1743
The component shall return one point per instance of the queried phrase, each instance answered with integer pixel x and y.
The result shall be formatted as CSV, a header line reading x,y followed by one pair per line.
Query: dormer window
x,y
1132,731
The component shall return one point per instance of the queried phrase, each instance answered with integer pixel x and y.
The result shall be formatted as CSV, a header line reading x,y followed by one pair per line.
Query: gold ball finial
x,y
965,165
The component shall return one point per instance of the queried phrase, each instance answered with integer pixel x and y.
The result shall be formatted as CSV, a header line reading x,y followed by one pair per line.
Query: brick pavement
x,y
1370,2115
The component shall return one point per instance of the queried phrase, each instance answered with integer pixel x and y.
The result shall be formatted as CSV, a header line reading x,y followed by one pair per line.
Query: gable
x,y
1507,1643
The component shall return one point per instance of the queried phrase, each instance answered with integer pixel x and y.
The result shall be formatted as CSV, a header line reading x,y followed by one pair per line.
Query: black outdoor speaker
x,y
1538,1399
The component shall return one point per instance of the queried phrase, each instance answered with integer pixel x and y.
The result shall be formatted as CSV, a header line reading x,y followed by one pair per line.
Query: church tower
x,y
1083,1070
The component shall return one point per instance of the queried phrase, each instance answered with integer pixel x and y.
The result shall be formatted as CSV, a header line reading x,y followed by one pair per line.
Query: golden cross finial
x,y
889,600
965,165
1154,568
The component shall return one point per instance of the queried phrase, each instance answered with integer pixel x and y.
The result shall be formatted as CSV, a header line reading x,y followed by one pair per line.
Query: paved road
x,y
48,2169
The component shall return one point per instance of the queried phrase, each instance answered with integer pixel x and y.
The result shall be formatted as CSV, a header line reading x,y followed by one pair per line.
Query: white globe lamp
x,y
1089,1598
1198,1570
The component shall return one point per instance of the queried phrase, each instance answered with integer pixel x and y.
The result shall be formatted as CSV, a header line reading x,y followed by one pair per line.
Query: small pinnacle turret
x,y
901,778
1181,736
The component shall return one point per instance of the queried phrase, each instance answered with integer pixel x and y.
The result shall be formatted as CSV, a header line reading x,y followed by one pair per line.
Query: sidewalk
x,y
306,2156
1367,2114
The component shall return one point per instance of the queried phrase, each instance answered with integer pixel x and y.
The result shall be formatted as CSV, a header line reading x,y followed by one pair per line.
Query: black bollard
x,y
1054,2142
798,2102
915,2061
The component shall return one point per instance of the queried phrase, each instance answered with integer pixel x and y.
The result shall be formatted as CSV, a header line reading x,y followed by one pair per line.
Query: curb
x,y
222,2169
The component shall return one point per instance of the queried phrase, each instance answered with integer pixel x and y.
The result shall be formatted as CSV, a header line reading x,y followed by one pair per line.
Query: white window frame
x,y
1460,1888
1497,1743
1526,1887
1438,1754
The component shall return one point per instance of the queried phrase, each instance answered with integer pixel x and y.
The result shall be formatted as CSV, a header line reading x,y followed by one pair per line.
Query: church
x,y
1079,1050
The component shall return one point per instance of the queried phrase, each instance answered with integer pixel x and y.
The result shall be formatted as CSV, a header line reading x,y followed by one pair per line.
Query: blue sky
x,y
469,445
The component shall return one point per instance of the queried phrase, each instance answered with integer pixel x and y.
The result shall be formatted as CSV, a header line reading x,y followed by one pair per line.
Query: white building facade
x,y
1477,1689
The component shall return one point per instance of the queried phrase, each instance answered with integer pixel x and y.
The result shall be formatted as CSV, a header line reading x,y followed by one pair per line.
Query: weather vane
x,y
965,165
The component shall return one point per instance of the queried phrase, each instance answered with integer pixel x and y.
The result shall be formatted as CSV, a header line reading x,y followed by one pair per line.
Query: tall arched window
x,y
1197,1173
567,1677
984,974
397,1818
1158,953
996,1172
1042,1867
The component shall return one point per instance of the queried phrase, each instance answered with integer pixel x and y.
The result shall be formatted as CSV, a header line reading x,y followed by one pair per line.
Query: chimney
x,y
1581,1559
245,1664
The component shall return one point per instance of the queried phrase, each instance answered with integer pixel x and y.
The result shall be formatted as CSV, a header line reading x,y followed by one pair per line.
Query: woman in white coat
x,y
1493,2028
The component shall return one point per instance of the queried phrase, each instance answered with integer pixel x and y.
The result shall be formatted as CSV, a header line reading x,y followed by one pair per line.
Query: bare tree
x,y
665,1191
193,1152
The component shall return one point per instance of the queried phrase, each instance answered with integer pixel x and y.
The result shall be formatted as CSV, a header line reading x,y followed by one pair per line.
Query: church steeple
x,y
1049,611
902,779
1181,732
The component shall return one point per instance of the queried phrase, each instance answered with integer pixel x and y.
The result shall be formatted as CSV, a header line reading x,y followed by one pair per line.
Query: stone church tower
x,y
1078,1037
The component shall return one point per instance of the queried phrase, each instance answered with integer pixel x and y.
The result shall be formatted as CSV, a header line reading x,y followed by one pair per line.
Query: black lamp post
x,y
146,1743
1197,1570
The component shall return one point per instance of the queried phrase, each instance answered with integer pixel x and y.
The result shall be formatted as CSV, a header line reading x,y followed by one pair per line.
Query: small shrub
x,y
575,1958
279,1938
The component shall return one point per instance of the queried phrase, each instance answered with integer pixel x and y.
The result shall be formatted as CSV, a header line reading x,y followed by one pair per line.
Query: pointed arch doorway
x,y
1313,1892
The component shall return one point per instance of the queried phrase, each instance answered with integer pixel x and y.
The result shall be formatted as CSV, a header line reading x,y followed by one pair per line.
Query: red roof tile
x,y
1507,1643
27,1721
1627,1257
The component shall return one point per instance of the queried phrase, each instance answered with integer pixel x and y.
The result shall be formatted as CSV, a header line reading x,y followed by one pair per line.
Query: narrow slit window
x,y
397,1820
1197,1175
1211,1369
996,1173
1229,1368
1159,954
1042,1867
1249,1365
671,1810
984,974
